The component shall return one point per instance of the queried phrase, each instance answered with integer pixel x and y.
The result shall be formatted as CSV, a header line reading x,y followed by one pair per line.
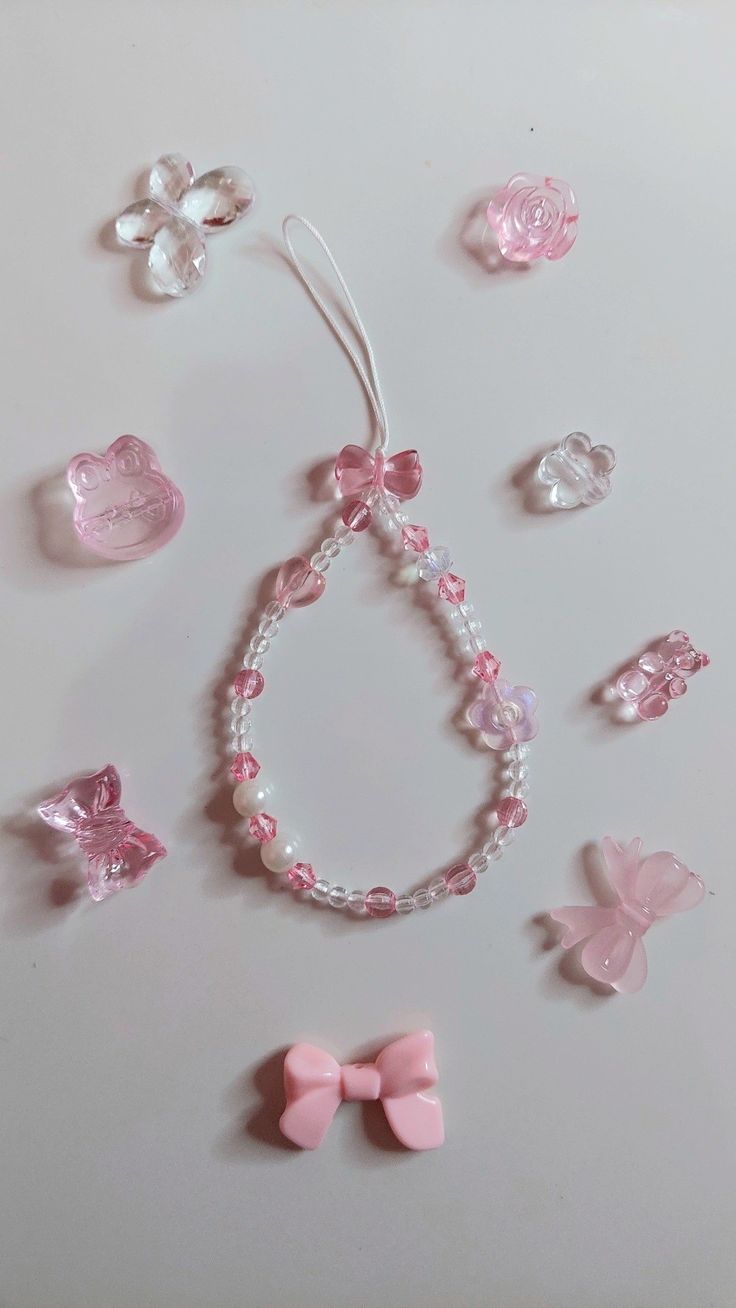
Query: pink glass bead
x,y
245,767
117,853
357,515
357,471
262,827
461,879
512,812
451,588
380,902
486,666
659,675
302,876
298,583
415,538
125,507
249,683
534,218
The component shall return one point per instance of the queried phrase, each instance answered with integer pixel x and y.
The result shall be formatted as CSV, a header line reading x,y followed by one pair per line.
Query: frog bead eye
x,y
84,476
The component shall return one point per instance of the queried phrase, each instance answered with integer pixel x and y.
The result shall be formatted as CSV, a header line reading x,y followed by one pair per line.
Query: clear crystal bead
x,y
171,177
177,257
356,901
137,225
433,563
320,891
218,198
422,897
338,897
405,904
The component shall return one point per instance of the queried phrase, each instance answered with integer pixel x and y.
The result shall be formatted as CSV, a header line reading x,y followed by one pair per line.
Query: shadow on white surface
x,y
565,978
471,246
45,880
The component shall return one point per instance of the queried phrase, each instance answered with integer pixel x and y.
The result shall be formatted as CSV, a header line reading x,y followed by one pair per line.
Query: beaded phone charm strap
x,y
374,488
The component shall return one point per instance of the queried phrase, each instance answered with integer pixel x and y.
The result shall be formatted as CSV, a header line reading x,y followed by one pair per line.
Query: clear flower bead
x,y
356,901
338,897
320,891
422,897
405,904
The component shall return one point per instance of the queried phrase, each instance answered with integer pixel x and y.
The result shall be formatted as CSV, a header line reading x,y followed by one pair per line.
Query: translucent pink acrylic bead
x,y
298,583
660,675
249,683
415,538
461,879
262,827
534,218
451,588
357,515
512,812
380,902
125,506
486,666
302,876
245,767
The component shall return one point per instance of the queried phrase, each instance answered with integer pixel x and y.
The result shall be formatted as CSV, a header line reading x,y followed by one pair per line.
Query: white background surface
x,y
590,1140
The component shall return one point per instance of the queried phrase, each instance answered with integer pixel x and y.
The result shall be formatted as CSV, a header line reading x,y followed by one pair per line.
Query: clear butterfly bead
x,y
175,218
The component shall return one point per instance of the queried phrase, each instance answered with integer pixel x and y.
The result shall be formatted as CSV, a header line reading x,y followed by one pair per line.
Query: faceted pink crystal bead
x,y
512,812
245,767
302,876
262,827
461,879
486,666
380,902
415,538
451,588
357,515
249,683
298,583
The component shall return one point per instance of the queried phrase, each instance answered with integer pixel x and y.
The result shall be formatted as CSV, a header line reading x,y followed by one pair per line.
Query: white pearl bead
x,y
281,853
251,797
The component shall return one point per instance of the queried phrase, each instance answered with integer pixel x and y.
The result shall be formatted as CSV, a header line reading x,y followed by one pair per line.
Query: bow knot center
x,y
360,1081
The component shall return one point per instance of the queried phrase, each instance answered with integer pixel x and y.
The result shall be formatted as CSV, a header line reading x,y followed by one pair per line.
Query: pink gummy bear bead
x,y
380,902
125,506
486,666
357,515
512,812
415,538
245,767
534,218
302,876
451,588
461,879
249,683
298,583
660,675
262,827
118,854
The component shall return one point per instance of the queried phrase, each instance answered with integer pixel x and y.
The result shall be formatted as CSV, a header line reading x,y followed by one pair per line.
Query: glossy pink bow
x,y
315,1084
647,889
118,854
357,471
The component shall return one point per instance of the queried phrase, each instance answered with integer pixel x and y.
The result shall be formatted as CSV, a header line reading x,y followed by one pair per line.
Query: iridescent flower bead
x,y
262,827
301,876
380,902
461,879
249,683
512,812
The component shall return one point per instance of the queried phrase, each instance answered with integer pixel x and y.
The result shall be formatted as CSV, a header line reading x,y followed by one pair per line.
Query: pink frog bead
x,y
125,506
118,854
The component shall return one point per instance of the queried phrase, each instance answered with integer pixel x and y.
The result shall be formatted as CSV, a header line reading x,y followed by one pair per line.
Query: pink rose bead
x,y
534,218
380,902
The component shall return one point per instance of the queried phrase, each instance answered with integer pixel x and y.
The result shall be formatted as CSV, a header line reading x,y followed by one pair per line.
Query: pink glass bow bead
x,y
534,218
660,675
118,854
358,471
401,1076
125,506
646,889
506,715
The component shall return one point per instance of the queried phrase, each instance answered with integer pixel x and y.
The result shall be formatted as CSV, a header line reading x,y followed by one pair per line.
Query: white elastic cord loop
x,y
369,375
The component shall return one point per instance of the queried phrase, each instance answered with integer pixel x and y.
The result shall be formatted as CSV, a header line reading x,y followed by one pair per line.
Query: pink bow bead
x,y
118,854
647,889
316,1084
357,471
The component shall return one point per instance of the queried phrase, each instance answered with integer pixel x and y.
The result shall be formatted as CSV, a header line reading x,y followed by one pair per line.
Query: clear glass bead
x,y
492,850
177,257
274,610
520,789
405,904
260,645
344,536
241,708
251,660
479,863
320,890
268,628
356,901
338,897
504,835
477,643
330,547
518,771
433,563
319,562
243,740
438,889
422,897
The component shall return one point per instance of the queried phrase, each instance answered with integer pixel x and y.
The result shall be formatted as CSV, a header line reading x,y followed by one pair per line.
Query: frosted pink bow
x,y
647,889
357,471
316,1084
118,854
